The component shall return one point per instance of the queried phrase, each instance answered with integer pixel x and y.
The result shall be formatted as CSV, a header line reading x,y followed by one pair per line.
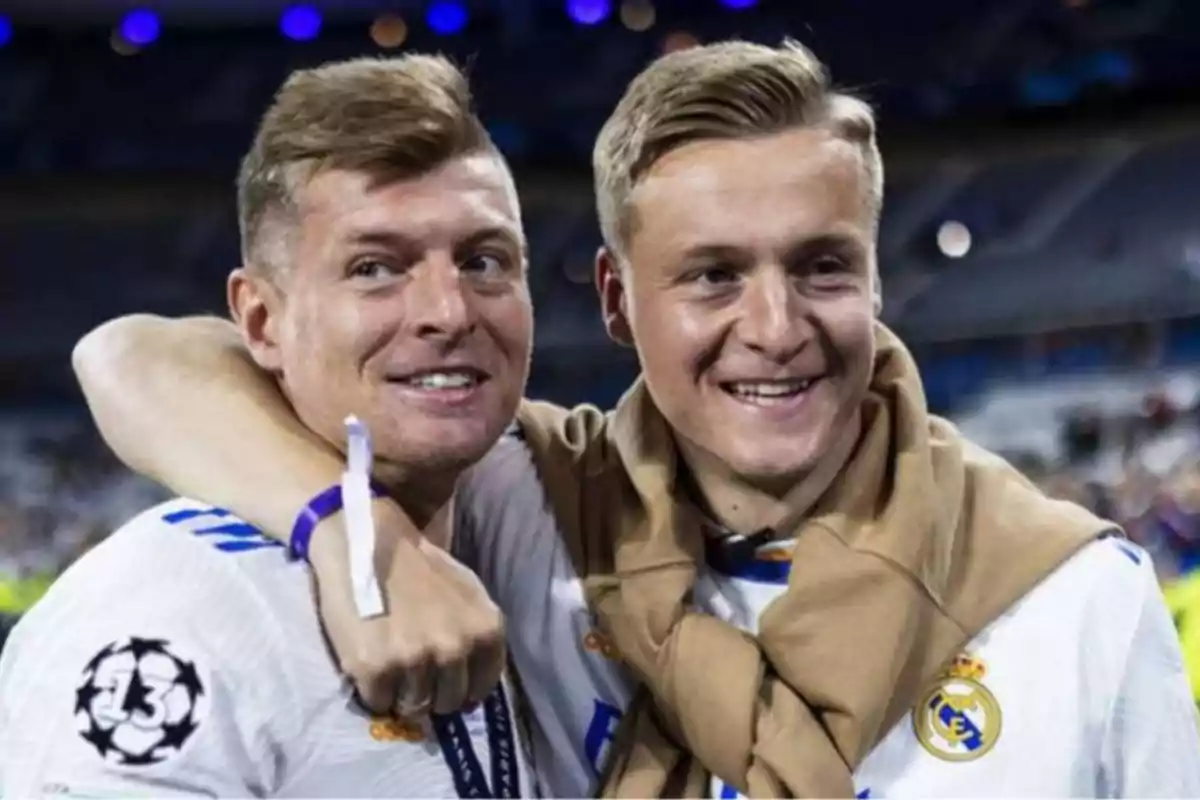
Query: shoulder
x,y
160,652
177,566
1099,607
209,545
1103,585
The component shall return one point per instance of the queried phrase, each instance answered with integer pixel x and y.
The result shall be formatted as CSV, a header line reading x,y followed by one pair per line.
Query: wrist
x,y
392,530
320,508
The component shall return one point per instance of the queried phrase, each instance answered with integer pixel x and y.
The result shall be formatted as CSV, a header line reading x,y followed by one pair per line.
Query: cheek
x,y
331,336
674,339
854,340
513,327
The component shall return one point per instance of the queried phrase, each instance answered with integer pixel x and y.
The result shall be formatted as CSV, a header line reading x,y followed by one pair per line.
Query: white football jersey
x,y
183,656
1078,690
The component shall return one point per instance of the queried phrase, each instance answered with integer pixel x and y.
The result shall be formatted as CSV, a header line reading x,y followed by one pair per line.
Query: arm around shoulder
x,y
182,402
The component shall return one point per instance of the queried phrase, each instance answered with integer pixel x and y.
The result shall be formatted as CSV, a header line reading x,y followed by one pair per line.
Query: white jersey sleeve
x,y
1152,743
111,686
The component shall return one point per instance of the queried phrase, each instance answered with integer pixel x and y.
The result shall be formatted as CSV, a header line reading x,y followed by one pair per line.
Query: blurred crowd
x,y
61,491
1140,469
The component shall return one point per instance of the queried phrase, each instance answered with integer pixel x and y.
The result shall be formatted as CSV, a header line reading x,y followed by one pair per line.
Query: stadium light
x,y
954,239
446,17
588,12
300,23
140,27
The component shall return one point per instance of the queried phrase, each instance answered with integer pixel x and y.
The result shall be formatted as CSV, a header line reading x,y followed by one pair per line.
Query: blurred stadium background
x,y
1040,244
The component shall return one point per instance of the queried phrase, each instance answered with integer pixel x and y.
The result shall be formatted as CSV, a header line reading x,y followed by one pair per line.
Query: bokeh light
x,y
120,45
301,23
589,12
140,27
637,15
446,17
389,30
679,40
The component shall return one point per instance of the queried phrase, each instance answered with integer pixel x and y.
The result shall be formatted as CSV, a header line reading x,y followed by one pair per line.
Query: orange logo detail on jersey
x,y
967,666
597,642
396,729
776,554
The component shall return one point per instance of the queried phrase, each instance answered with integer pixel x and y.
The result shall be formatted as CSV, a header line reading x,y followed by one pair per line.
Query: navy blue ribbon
x,y
460,755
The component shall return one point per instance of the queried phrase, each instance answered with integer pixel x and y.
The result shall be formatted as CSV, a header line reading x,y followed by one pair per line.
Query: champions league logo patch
x,y
138,702
959,718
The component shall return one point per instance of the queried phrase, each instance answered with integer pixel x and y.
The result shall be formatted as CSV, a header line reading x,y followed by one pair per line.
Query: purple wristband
x,y
323,506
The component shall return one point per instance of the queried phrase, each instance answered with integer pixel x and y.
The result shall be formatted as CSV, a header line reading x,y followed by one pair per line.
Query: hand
x,y
440,644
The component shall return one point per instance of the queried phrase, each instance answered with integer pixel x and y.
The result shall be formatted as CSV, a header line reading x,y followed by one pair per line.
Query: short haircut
x,y
727,90
400,117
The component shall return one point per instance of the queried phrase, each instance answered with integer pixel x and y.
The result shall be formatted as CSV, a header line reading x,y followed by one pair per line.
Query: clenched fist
x,y
438,647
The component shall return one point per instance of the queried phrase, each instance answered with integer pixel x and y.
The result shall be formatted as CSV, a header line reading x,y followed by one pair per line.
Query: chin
x,y
788,460
439,451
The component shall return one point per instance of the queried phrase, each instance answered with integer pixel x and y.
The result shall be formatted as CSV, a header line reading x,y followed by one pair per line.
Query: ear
x,y
256,306
610,285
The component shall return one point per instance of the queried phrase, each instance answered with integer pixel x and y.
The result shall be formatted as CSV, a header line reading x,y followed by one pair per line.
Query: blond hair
x,y
400,117
728,90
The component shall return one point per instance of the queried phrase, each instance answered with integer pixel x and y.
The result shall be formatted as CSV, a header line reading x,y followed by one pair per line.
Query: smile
x,y
446,379
767,392
451,390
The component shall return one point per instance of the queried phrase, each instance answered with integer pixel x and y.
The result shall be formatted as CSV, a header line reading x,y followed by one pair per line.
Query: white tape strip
x,y
360,523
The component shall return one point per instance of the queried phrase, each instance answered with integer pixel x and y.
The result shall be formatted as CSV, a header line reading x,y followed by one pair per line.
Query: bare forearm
x,y
182,402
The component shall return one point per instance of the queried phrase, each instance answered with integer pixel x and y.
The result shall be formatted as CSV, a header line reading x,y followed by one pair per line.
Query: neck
x,y
744,505
428,501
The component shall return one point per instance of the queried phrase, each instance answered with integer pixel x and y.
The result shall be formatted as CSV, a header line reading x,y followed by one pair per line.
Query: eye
x,y
713,276
826,265
828,271
371,269
485,265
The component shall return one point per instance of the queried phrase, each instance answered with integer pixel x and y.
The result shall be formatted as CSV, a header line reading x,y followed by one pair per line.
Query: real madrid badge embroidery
x,y
958,719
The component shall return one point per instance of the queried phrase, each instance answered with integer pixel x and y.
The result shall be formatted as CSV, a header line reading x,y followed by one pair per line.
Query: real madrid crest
x,y
958,719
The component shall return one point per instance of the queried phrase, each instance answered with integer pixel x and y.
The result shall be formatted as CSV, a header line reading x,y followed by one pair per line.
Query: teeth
x,y
768,388
443,380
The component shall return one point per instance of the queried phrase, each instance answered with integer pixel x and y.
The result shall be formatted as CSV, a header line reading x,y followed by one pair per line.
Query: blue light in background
x,y
1111,66
588,12
739,4
140,27
301,23
1048,89
6,31
446,17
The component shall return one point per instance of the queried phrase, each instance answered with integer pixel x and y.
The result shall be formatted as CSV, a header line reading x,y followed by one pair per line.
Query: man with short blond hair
x,y
384,277
946,629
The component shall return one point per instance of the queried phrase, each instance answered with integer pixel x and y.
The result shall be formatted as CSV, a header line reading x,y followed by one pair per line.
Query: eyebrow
x,y
496,232
811,244
398,241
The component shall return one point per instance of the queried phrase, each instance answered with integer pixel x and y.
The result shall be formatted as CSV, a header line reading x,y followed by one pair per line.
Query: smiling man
x,y
769,570
384,277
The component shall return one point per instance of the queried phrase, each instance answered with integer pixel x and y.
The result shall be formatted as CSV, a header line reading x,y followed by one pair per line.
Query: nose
x,y
773,321
437,306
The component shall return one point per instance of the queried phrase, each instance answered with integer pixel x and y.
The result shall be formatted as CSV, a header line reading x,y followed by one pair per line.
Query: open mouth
x,y
768,392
